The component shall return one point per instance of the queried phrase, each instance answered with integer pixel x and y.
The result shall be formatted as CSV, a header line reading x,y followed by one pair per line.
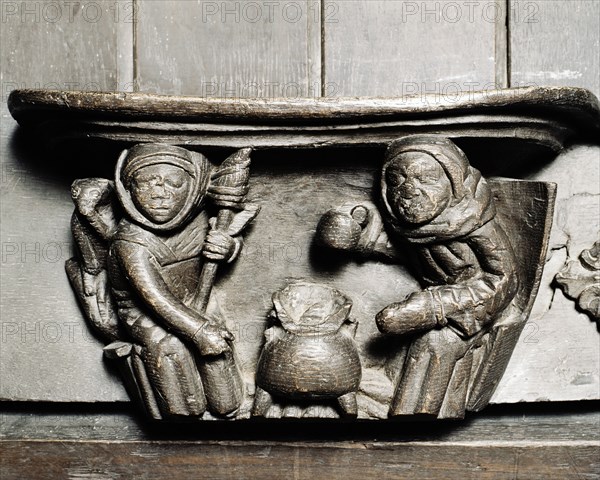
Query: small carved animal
x,y
93,224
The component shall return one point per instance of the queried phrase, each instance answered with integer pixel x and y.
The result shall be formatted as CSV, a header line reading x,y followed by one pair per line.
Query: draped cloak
x,y
154,269
464,259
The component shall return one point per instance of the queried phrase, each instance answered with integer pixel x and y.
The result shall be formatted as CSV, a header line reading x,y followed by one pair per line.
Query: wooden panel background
x,y
59,45
268,49
556,43
229,49
383,48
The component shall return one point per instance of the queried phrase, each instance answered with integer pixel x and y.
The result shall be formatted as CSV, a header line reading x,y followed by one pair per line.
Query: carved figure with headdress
x,y
154,263
437,213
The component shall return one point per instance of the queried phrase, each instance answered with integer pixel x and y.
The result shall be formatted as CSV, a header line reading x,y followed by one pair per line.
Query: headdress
x,y
471,204
142,155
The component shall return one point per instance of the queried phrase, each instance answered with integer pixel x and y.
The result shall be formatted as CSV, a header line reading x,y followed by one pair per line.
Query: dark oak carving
x,y
145,271
308,355
150,242
439,215
142,284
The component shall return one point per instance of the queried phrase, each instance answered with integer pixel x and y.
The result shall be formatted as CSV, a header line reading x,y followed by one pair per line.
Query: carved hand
x,y
219,246
414,314
212,339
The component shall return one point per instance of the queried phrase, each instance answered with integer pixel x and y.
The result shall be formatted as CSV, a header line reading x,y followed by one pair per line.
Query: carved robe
x,y
150,281
466,263
470,282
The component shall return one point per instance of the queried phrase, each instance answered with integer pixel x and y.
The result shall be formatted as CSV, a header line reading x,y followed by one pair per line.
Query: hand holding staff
x,y
222,381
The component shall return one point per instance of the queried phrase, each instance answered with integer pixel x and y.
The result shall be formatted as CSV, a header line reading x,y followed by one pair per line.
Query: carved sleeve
x,y
143,273
383,247
471,303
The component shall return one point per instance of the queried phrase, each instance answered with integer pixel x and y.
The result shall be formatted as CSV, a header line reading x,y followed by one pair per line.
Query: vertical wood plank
x,y
557,357
46,352
501,49
555,42
229,49
64,45
383,48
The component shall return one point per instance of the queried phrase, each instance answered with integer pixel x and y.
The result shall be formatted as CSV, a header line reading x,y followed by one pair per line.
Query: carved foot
x,y
348,404
262,403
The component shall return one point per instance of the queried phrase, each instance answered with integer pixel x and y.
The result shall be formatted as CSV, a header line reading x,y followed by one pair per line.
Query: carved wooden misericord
x,y
459,257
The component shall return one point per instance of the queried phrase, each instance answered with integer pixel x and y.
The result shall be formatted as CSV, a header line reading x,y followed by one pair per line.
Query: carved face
x,y
418,188
160,191
87,193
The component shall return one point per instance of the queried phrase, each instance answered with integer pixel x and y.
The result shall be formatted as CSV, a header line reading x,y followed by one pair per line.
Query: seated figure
x,y
142,279
161,189
440,218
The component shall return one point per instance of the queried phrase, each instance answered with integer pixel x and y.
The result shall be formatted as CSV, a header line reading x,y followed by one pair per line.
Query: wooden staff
x,y
221,378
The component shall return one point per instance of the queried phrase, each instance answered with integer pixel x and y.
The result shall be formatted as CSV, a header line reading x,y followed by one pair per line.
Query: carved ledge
x,y
545,117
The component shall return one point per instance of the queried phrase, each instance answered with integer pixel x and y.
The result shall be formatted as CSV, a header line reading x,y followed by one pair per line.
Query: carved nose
x,y
408,191
159,191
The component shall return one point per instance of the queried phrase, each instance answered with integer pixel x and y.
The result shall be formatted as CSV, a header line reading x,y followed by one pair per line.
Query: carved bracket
x,y
162,271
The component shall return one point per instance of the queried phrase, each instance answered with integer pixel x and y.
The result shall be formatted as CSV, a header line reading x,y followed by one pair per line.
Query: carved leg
x,y
131,367
222,384
455,401
173,372
348,404
142,381
262,402
427,372
170,368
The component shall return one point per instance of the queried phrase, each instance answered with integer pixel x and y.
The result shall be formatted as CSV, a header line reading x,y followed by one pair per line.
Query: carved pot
x,y
310,356
315,366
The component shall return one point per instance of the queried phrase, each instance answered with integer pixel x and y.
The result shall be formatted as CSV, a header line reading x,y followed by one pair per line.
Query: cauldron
x,y
310,355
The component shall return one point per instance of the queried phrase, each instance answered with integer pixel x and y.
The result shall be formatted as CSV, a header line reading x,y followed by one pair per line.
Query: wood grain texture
x,y
45,325
229,49
387,48
554,115
552,441
555,42
67,45
280,246
536,422
274,460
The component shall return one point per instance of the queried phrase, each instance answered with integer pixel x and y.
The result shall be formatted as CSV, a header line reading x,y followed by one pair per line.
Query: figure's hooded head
x,y
161,186
430,192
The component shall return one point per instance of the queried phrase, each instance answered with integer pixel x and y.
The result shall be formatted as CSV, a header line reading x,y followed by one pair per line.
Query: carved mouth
x,y
160,208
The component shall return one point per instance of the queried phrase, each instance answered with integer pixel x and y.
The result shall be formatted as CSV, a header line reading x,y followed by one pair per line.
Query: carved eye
x,y
429,177
143,184
175,183
395,177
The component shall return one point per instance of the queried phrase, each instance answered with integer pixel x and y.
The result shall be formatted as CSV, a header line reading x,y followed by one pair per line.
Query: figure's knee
x,y
171,345
439,343
156,341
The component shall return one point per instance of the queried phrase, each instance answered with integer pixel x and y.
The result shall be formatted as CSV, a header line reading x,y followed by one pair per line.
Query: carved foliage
x,y
580,280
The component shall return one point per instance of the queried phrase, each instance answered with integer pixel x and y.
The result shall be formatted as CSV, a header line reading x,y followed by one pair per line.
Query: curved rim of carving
x,y
34,106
